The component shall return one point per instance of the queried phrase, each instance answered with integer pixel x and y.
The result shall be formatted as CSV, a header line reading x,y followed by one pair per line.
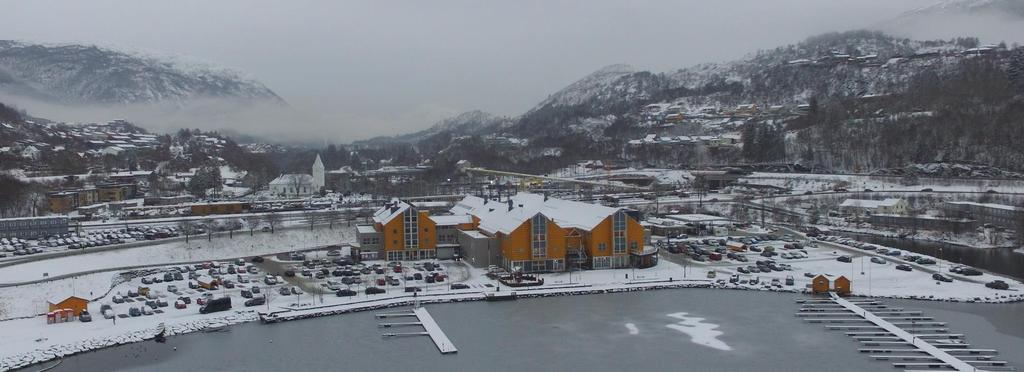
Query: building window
x,y
412,238
539,232
619,233
601,247
633,247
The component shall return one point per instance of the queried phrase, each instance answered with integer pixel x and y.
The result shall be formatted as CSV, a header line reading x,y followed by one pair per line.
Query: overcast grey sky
x,y
384,67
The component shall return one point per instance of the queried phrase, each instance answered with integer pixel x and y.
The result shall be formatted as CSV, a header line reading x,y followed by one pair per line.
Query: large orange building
x,y
402,231
536,233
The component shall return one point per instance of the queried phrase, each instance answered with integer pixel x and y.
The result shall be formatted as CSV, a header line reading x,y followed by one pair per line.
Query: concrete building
x,y
868,206
997,214
956,225
33,227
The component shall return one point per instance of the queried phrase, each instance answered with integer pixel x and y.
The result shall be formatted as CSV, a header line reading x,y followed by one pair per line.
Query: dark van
x,y
215,305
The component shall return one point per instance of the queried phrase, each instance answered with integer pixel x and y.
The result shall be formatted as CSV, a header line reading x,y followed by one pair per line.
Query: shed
x,y
842,286
819,284
75,303
207,282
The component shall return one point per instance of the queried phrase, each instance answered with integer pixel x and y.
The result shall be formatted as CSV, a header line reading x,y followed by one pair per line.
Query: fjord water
x,y
612,332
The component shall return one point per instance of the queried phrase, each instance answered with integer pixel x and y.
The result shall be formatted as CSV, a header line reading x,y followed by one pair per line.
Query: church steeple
x,y
318,174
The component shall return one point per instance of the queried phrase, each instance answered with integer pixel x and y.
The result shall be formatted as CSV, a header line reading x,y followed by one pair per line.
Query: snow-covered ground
x,y
198,249
30,339
826,182
30,299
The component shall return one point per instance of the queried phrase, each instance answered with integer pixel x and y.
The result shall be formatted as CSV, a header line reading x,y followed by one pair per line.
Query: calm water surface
x,y
613,332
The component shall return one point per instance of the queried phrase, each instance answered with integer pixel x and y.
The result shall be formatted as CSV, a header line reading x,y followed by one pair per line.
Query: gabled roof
x,y
389,211
496,216
291,179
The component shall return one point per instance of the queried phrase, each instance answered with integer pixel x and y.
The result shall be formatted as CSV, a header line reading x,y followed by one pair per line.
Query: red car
x,y
179,304
381,282
397,269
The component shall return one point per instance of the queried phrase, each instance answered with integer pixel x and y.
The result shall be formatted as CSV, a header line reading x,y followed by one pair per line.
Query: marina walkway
x,y
935,352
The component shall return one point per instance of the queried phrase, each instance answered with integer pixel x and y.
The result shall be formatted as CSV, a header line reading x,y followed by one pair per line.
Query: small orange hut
x,y
75,303
842,286
819,284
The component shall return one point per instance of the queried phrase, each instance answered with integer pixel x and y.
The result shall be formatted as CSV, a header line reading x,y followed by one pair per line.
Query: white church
x,y
299,185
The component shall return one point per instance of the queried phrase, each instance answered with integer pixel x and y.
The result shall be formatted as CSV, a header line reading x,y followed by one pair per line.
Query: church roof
x,y
292,179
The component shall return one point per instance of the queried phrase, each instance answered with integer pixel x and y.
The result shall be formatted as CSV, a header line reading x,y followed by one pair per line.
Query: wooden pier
x,y
444,345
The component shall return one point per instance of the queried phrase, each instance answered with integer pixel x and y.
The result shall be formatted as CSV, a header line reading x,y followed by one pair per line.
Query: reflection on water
x,y
997,260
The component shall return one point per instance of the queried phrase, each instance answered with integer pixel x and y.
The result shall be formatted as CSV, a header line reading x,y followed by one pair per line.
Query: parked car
x,y
970,271
413,289
345,293
246,293
256,301
844,258
84,316
374,290
180,304
459,286
998,284
877,260
904,267
941,278
215,305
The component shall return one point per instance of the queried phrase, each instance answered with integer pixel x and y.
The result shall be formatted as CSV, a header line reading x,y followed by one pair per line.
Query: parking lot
x,y
15,247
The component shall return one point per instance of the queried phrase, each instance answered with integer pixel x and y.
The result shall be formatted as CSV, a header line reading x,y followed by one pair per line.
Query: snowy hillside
x,y
90,74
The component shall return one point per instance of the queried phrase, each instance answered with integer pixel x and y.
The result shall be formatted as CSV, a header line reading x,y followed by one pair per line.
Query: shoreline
x,y
240,316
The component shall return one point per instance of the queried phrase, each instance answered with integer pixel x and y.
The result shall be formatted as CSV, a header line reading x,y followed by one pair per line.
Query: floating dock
x,y
430,327
440,339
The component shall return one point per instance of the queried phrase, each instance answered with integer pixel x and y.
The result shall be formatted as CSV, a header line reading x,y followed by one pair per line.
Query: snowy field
x,y
826,182
198,249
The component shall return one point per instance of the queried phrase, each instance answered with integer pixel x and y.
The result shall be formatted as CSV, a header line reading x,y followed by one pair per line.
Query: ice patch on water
x,y
633,330
700,333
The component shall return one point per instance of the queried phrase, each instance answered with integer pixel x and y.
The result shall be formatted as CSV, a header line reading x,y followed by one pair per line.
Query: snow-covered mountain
x,y
991,21
466,123
83,74
600,84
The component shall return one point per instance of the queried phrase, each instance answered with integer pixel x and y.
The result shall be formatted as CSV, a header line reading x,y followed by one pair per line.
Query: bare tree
x,y
253,220
273,220
332,216
210,224
186,227
311,216
231,225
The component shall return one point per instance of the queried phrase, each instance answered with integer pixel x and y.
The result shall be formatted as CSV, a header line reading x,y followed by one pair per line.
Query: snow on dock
x,y
944,358
444,345
440,339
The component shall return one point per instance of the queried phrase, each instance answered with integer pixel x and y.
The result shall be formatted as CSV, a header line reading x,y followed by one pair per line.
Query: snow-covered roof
x,y
291,179
867,203
388,212
497,217
987,205
365,229
451,220
696,217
